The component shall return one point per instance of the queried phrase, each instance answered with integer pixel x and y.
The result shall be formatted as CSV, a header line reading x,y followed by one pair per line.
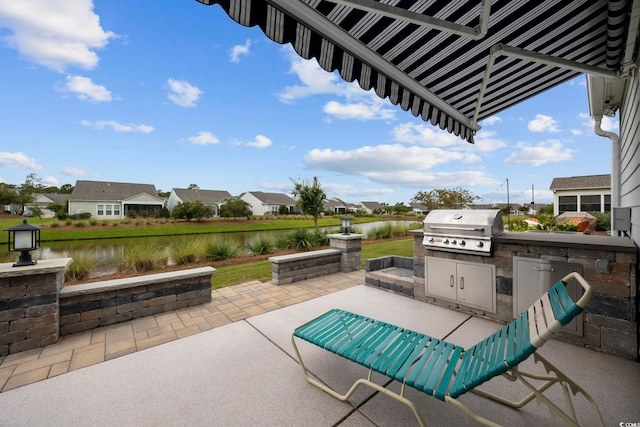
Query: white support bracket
x,y
379,8
500,49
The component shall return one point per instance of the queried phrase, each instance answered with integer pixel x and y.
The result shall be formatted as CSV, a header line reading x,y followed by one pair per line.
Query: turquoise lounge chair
x,y
446,371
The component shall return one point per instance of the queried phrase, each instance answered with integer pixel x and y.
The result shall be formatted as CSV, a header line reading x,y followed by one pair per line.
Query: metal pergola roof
x,y
453,63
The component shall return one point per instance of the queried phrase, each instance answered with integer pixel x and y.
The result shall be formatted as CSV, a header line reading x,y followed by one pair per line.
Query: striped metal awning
x,y
453,63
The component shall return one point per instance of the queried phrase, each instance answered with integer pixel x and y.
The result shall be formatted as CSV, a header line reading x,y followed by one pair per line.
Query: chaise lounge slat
x,y
444,370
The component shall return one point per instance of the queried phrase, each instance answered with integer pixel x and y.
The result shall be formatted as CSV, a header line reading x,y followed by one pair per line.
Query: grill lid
x,y
462,230
464,222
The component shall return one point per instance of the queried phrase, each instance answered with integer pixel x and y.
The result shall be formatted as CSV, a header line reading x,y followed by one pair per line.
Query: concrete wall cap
x,y
128,282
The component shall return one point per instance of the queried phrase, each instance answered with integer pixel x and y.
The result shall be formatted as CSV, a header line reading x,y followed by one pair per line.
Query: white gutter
x,y
615,166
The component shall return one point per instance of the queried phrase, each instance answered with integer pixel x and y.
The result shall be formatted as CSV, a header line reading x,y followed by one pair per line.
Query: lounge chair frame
x,y
446,371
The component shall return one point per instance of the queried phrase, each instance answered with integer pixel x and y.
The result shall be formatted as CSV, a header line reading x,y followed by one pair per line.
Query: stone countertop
x,y
561,239
574,240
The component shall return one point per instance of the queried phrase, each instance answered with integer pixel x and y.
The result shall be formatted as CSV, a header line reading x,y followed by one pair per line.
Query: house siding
x,y
173,200
257,207
629,153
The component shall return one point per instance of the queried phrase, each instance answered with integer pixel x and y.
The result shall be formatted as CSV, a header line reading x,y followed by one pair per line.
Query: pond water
x,y
109,251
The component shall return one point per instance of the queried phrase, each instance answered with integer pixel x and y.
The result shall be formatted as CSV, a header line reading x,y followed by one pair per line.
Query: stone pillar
x,y
351,247
29,305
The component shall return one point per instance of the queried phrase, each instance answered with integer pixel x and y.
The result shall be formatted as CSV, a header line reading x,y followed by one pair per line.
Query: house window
x,y
607,202
567,204
590,203
108,210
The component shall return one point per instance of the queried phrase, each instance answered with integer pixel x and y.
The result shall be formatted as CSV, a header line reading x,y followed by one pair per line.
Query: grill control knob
x,y
430,239
445,240
453,241
462,243
479,244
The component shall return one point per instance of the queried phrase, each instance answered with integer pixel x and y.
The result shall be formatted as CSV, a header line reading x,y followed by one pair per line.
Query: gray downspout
x,y
615,167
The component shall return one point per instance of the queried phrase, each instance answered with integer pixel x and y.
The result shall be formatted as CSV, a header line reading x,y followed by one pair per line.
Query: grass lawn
x,y
54,230
261,270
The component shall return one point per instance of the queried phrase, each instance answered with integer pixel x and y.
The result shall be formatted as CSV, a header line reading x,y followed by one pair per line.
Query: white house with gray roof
x,y
262,203
211,198
590,193
114,200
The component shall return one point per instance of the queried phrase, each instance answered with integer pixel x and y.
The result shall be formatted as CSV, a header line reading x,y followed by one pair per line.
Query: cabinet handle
x,y
451,280
551,269
462,283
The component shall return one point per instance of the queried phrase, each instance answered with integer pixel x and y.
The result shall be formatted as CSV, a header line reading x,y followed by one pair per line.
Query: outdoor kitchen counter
x,y
560,239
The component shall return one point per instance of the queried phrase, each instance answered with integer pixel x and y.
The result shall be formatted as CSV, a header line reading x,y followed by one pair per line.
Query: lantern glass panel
x,y
23,240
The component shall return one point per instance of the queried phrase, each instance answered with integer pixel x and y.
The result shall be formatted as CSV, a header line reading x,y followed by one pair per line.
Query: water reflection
x,y
109,251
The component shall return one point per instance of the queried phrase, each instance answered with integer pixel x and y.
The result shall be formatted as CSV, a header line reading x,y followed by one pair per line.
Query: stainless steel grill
x,y
462,230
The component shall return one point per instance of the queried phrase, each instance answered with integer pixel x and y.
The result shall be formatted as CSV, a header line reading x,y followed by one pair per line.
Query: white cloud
x,y
485,142
382,158
73,171
203,138
239,50
358,111
360,105
491,120
118,127
260,142
18,160
576,132
182,93
424,179
56,34
551,151
423,134
543,123
86,90
49,180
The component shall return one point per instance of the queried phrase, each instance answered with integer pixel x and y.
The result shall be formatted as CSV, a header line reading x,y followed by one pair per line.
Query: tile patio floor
x,y
227,305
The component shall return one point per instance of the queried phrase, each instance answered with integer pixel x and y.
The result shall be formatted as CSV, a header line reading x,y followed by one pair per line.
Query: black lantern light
x,y
346,224
24,238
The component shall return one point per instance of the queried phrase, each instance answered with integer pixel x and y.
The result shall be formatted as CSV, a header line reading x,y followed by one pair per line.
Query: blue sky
x,y
173,93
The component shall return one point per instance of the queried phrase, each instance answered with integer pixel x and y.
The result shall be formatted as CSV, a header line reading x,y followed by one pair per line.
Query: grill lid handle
x,y
436,227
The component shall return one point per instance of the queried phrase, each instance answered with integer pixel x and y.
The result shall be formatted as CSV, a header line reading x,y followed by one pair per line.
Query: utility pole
x,y
533,205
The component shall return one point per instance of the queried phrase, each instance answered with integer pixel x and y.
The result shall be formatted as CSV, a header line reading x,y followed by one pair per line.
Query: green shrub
x,y
282,241
261,244
55,225
84,215
79,224
142,257
68,222
186,250
604,220
93,222
62,216
85,262
220,248
301,238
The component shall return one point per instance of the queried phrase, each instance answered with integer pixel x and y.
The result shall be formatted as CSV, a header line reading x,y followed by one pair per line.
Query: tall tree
x,y
442,198
193,187
66,189
235,208
309,197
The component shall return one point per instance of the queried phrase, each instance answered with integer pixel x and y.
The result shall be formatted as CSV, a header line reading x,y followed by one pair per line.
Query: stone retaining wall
x,y
89,306
344,255
292,268
29,305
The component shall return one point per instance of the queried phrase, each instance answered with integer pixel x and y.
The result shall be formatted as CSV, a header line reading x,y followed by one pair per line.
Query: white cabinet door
x,y
476,286
441,278
469,284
